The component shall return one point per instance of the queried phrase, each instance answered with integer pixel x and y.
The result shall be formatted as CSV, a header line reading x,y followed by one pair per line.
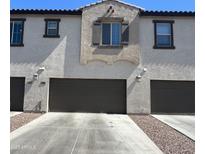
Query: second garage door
x,y
172,96
17,93
87,95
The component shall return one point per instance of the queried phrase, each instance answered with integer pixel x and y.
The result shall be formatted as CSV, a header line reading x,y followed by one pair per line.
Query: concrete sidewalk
x,y
81,133
183,123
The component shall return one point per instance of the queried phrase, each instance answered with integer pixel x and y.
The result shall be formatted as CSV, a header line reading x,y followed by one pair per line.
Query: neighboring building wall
x,y
166,64
61,58
176,64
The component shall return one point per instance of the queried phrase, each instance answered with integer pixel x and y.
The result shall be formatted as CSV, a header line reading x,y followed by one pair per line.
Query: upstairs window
x,y
111,34
16,32
164,34
52,28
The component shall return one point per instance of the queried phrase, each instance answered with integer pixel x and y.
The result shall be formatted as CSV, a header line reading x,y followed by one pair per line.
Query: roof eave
x,y
168,13
43,12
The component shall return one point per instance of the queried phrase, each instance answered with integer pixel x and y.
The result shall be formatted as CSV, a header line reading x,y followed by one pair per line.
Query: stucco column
x,y
138,95
36,94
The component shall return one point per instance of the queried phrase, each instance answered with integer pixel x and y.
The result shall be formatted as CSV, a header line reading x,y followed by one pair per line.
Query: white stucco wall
x,y
38,51
166,64
61,58
176,63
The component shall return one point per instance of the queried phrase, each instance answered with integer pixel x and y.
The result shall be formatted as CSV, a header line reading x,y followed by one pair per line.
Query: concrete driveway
x,y
183,123
81,133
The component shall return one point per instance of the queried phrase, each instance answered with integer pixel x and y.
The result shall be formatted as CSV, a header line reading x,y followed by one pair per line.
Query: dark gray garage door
x,y
172,96
84,95
17,93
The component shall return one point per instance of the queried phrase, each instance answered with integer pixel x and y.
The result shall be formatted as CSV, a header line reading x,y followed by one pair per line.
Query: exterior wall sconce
x,y
138,77
35,76
40,70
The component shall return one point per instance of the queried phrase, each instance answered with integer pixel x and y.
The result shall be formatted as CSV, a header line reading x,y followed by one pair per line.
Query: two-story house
x,y
109,57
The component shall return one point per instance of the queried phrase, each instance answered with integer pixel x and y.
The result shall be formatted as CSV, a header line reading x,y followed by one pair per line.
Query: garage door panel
x,y
172,96
84,95
17,86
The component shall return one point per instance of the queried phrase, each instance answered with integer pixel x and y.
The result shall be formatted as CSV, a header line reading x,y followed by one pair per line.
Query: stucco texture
x,y
72,55
90,52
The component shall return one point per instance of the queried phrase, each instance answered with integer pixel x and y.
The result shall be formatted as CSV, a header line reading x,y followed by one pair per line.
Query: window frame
x,y
111,25
22,32
46,28
171,22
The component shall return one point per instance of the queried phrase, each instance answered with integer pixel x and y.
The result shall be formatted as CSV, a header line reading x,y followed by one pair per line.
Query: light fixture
x,y
41,68
35,76
138,77
141,73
